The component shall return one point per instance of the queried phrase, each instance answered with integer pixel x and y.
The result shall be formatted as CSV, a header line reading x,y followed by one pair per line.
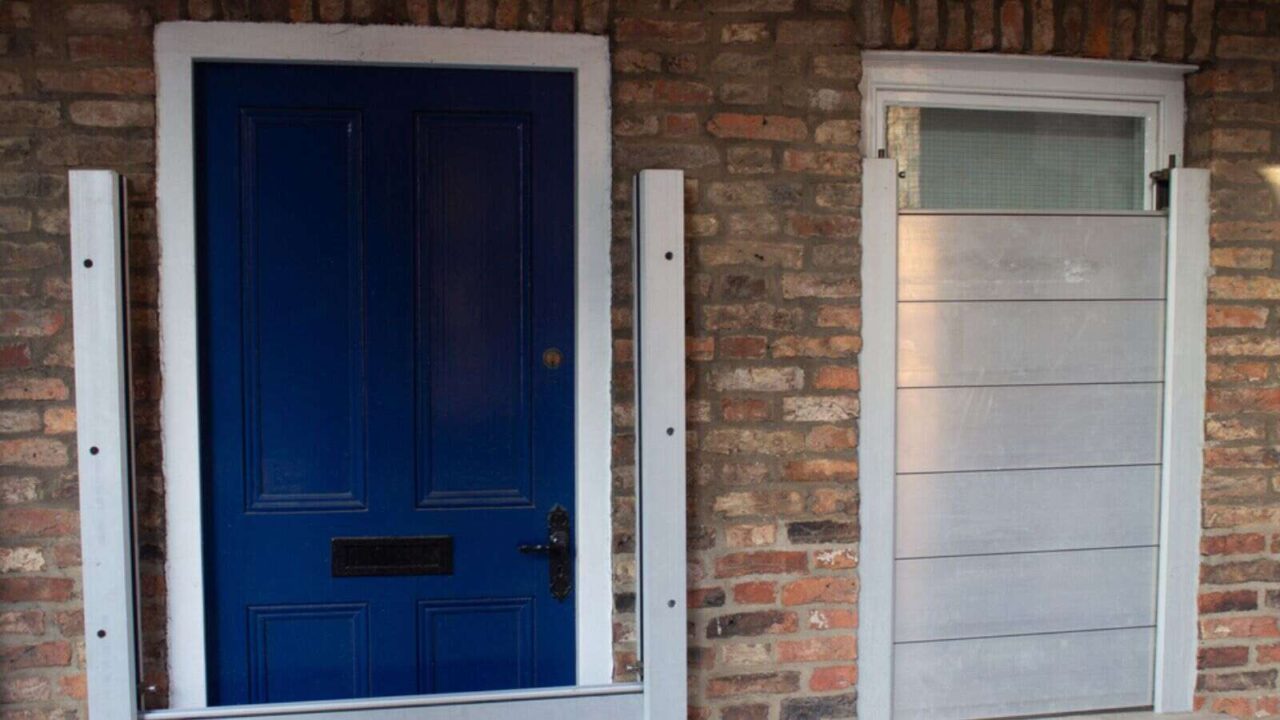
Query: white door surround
x,y
178,46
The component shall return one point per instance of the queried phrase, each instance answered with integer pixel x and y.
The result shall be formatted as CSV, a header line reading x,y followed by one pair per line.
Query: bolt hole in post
x,y
670,255
88,263
93,450
102,633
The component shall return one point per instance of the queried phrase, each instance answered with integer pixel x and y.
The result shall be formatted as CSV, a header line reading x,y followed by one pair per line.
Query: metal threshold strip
x,y
1033,213
406,702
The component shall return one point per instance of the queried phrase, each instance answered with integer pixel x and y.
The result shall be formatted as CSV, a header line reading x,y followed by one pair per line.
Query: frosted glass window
x,y
953,158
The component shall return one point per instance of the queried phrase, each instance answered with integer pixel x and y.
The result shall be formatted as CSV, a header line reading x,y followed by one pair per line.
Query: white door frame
x,y
178,46
1151,91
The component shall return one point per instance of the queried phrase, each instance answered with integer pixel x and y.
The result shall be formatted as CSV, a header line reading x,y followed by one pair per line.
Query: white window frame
x,y
1151,91
106,532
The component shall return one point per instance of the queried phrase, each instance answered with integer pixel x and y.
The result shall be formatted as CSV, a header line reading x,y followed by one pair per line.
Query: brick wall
x,y
1235,131
757,100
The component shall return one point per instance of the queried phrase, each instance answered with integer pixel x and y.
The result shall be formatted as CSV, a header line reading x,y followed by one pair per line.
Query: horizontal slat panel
x,y
996,343
1006,428
1017,257
1026,510
1009,676
984,595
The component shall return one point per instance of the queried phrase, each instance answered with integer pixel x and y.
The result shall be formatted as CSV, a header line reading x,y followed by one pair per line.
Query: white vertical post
x,y
658,252
1183,441
877,365
98,262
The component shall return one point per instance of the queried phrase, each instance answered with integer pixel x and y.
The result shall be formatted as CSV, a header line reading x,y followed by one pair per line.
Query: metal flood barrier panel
x,y
1030,370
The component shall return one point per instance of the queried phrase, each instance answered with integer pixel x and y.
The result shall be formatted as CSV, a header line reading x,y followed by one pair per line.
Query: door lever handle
x,y
557,542
559,552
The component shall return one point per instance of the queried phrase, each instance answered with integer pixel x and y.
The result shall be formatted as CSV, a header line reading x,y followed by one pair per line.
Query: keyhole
x,y
552,358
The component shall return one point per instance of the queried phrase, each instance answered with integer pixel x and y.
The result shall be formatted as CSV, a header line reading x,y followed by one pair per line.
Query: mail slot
x,y
385,556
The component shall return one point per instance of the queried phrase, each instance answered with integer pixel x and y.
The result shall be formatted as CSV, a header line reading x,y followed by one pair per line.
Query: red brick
x,y
33,452
22,622
1011,25
843,647
639,30
35,589
764,562
1239,627
772,683
1220,657
807,591
1237,544
757,127
100,81
755,593
1230,601
47,654
753,624
38,522
816,32
840,677
13,388
821,471
14,356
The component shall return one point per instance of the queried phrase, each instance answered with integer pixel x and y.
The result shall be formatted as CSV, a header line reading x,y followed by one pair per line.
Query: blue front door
x,y
386,317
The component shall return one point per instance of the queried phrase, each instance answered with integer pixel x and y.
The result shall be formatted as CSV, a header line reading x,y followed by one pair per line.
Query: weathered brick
x,y
757,127
772,683
820,649
816,32
811,532
33,452
761,503
762,562
827,707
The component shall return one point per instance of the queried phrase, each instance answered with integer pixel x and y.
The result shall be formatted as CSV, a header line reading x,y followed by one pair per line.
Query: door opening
x,y
385,260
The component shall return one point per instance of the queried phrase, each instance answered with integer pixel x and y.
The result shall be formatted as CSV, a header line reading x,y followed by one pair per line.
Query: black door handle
x,y
559,552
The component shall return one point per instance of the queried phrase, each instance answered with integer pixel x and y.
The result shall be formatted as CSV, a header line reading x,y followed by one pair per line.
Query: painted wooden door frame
x,y
178,46
1043,84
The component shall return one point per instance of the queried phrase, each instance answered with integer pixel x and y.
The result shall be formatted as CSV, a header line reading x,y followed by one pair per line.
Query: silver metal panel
x,y
985,595
1027,510
997,343
624,702
99,262
1023,257
658,250
1006,428
1010,676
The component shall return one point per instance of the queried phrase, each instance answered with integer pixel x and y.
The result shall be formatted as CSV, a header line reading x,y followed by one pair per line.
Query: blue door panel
x,y
383,256
475,644
474,387
308,652
302,231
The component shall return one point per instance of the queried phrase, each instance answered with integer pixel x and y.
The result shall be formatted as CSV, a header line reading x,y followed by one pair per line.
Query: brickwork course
x,y
757,100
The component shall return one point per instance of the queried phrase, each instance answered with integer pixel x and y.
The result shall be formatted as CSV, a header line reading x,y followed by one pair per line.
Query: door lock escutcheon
x,y
559,552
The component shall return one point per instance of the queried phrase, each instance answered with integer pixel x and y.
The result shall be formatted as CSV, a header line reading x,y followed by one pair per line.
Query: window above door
x,y
1017,134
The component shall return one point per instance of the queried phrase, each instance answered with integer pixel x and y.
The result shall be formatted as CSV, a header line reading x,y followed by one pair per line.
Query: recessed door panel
x,y
302,229
308,652
473,387
469,645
